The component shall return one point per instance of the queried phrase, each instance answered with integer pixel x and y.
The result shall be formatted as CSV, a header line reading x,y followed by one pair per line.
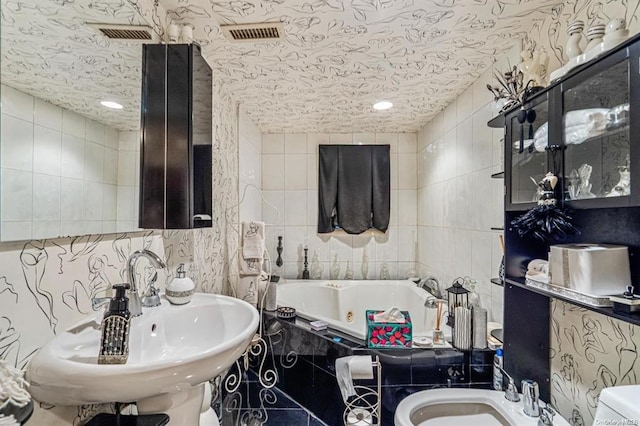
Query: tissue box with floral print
x,y
394,335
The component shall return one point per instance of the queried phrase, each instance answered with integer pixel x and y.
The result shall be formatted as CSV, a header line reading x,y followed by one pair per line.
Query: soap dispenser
x,y
181,289
114,341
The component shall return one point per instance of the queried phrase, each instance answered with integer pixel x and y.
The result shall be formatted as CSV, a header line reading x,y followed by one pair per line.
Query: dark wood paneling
x,y
526,337
152,144
171,75
179,150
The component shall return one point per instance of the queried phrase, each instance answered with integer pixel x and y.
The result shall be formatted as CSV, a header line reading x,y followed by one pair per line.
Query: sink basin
x,y
172,349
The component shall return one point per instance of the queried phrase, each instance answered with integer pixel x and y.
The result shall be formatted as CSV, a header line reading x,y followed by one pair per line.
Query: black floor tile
x,y
294,417
315,422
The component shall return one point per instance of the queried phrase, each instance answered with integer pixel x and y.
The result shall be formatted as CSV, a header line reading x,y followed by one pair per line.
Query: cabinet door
x,y
596,135
526,155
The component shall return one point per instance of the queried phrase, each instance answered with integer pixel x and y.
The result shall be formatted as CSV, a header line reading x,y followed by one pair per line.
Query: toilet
x,y
618,403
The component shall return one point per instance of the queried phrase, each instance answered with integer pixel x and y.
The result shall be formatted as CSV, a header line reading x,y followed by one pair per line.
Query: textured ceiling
x,y
338,58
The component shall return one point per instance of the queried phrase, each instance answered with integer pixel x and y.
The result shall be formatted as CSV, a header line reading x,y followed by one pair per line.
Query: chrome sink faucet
x,y
511,394
151,298
530,398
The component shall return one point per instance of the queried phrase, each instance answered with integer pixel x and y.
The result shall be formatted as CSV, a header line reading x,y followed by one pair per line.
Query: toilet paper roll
x,y
361,367
349,368
359,417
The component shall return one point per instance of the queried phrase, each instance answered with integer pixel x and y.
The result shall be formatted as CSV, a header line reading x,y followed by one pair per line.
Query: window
x,y
353,188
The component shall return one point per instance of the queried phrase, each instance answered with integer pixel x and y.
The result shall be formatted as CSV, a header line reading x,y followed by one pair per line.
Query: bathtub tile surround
x,y
298,354
289,181
588,353
457,201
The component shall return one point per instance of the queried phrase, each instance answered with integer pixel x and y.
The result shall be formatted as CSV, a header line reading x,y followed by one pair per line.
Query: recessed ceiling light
x,y
382,105
111,104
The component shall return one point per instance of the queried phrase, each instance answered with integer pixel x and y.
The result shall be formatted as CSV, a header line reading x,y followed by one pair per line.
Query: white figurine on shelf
x,y
348,273
623,187
584,190
574,30
384,271
334,273
594,35
533,66
364,268
616,30
316,267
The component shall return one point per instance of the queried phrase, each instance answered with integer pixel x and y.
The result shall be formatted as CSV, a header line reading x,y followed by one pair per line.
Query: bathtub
x,y
342,304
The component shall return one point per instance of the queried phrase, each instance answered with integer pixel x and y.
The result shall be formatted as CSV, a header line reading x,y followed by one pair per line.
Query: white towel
x,y
462,328
253,240
247,289
249,266
538,270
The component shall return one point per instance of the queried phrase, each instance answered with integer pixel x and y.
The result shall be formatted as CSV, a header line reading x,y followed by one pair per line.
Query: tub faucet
x,y
431,285
135,306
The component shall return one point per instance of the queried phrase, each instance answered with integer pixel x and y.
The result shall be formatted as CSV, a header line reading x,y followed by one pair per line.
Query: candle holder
x,y
457,295
279,250
305,271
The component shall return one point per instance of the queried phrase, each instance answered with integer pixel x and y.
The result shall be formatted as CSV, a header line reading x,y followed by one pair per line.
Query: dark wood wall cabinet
x,y
175,151
584,128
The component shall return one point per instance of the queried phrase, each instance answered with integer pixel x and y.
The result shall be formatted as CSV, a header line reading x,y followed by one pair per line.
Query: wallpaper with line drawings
x,y
47,285
589,352
550,35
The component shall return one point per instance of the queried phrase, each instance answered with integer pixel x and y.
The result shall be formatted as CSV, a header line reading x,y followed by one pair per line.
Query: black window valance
x,y
353,188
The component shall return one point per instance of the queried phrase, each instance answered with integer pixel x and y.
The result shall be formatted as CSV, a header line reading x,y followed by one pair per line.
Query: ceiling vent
x,y
140,33
254,32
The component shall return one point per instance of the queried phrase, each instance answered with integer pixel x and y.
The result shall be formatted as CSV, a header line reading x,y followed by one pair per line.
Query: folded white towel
x,y
249,266
538,270
253,240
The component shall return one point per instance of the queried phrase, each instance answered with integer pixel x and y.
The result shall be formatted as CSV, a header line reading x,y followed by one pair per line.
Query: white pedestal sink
x,y
173,350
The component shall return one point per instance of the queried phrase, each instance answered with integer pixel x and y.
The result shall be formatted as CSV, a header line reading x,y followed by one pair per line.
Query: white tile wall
x,y
457,201
61,172
290,182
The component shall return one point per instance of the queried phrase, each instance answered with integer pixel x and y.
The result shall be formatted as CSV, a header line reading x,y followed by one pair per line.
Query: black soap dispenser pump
x,y
114,340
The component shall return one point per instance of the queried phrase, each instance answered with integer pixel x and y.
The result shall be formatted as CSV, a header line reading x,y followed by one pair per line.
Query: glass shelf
x,y
630,318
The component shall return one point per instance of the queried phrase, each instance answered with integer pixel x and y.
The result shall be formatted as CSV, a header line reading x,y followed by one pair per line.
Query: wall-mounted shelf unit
x,y
630,318
497,281
610,86
497,228
499,175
